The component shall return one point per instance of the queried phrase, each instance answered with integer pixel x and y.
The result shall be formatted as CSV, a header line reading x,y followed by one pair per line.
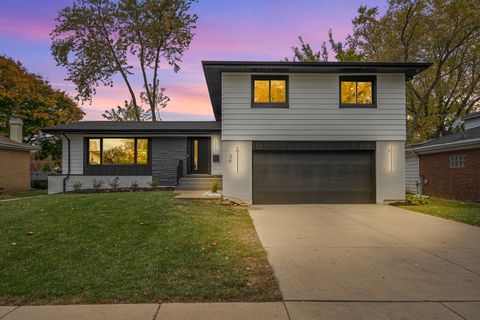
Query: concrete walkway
x,y
355,261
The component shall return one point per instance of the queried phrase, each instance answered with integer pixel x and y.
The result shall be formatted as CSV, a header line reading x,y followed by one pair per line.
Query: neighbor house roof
x,y
468,139
135,127
213,71
7,143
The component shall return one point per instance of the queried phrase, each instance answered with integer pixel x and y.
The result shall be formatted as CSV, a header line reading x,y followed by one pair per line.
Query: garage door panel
x,y
313,177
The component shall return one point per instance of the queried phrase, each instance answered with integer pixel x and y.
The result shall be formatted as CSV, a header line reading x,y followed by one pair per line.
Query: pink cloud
x,y
26,28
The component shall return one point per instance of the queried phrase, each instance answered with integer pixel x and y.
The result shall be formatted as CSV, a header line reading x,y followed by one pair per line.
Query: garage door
x,y
313,176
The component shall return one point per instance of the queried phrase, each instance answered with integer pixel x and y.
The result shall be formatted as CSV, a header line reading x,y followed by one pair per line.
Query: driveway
x,y
341,260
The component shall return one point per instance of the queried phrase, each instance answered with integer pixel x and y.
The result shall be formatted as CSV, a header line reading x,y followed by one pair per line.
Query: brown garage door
x,y
313,176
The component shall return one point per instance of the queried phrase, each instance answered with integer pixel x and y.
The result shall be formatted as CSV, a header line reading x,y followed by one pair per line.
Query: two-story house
x,y
285,132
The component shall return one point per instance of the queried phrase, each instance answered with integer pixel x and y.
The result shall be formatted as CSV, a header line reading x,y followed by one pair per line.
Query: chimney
x,y
16,128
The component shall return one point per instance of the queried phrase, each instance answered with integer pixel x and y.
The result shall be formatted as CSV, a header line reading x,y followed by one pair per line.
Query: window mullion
x,y
135,151
270,91
101,151
356,92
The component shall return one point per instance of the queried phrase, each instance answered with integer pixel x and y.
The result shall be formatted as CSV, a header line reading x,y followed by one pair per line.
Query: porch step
x,y
198,182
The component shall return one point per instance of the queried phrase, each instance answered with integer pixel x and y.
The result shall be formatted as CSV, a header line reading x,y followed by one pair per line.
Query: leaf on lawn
x,y
144,223
214,243
14,243
29,233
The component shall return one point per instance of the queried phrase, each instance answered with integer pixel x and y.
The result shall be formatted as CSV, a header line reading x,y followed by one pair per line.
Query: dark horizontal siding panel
x,y
313,145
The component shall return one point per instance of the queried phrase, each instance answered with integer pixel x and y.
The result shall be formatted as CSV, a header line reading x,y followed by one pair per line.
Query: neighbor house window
x,y
357,92
458,161
270,91
117,151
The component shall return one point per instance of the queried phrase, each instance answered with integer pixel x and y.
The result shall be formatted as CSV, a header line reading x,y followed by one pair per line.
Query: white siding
x,y
412,174
76,145
313,112
216,145
237,180
390,171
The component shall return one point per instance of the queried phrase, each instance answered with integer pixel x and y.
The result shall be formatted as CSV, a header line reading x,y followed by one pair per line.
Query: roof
x,y
7,143
458,141
213,71
471,116
135,127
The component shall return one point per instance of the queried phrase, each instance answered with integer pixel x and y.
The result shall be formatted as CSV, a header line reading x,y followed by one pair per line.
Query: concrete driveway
x,y
354,261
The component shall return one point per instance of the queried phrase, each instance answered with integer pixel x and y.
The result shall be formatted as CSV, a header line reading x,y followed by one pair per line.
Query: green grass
x,y
129,247
454,210
22,194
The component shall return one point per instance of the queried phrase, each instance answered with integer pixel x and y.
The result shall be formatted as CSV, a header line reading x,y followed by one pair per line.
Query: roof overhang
x,y
445,147
213,71
17,146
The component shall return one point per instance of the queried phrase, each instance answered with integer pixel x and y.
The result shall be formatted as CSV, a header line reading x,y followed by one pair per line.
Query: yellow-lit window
x,y
142,151
118,151
357,92
270,92
94,151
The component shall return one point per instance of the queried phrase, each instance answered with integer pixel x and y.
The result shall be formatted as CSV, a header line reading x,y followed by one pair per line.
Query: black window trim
x,y
269,104
101,164
360,78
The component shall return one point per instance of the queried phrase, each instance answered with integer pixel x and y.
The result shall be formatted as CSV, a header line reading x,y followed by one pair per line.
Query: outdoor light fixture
x,y
390,163
237,151
215,144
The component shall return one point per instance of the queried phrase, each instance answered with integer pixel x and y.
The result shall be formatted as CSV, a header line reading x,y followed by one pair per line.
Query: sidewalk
x,y
251,311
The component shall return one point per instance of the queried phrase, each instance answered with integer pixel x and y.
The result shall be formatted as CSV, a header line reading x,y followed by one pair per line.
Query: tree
x,y
127,113
444,32
27,96
95,40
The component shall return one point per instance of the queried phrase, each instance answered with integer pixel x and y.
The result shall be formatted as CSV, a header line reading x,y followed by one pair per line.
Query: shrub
x,y
77,186
153,184
97,184
40,184
134,185
114,184
215,184
46,167
416,199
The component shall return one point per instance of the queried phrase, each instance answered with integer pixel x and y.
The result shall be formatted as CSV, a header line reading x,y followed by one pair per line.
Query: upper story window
x,y
270,91
117,151
358,92
458,161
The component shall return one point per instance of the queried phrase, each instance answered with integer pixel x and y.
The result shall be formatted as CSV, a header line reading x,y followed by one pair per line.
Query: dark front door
x,y
199,155
313,177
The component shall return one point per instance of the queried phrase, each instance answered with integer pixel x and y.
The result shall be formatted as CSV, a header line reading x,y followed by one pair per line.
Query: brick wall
x,y
451,183
14,170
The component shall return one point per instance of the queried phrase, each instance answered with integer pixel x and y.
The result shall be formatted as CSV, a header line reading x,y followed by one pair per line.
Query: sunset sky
x,y
226,30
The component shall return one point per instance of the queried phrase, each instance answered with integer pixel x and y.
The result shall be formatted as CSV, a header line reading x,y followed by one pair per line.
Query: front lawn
x,y
454,210
129,247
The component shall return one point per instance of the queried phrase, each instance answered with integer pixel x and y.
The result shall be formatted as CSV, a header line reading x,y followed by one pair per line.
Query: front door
x,y
198,156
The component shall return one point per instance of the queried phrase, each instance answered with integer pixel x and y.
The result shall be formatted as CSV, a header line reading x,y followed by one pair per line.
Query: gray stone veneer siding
x,y
166,152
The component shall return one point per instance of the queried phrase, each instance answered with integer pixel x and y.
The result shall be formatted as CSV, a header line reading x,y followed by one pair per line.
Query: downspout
x,y
68,172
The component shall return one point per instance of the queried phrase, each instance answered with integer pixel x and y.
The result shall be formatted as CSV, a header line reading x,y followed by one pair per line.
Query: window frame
x,y
454,161
273,105
372,79
101,164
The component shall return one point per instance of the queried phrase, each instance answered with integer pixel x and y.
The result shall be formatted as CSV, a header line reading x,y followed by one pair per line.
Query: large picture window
x,y
357,91
270,91
117,151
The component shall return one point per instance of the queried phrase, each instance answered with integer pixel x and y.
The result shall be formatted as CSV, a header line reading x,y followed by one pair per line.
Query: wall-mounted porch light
x,y
390,158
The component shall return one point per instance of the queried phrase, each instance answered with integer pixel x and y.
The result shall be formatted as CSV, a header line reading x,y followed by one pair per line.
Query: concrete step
x,y
198,182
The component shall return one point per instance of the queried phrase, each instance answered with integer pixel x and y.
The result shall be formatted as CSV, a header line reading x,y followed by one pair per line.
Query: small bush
x,y
215,184
153,184
46,167
134,185
97,184
40,184
77,186
416,199
114,184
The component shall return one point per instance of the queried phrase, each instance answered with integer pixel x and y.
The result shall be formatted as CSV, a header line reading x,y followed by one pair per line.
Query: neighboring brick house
x,y
447,167
14,160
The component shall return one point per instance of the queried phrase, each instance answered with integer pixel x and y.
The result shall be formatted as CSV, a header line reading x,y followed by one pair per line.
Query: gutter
x,y
445,146
69,163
